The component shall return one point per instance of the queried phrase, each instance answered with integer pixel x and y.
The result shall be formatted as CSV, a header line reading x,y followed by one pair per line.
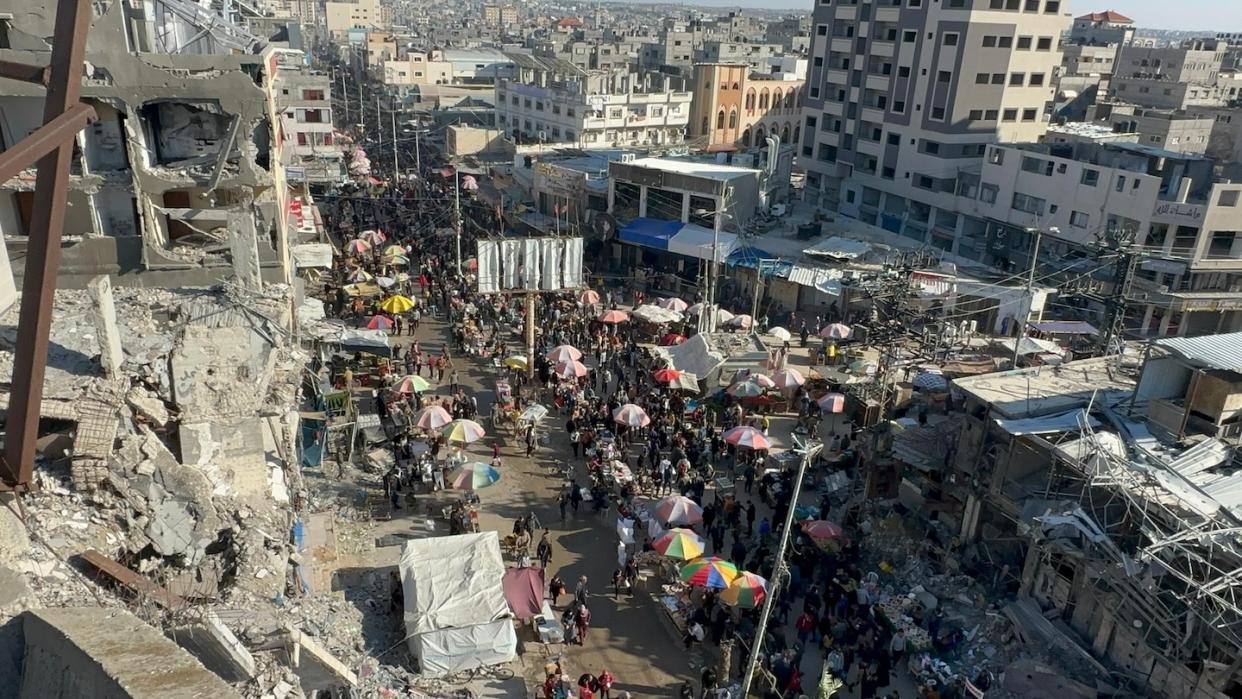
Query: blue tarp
x,y
749,258
650,232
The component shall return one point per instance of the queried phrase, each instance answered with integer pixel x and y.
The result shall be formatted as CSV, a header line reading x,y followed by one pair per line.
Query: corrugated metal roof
x,y
1208,351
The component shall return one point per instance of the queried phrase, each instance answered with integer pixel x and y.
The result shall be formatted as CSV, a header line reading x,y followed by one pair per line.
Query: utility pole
x,y
530,334
1030,300
379,127
344,94
418,157
396,166
754,305
457,208
1123,274
748,670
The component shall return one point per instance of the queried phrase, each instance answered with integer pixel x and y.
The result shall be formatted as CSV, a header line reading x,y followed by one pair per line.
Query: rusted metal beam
x,y
139,586
44,140
25,72
34,325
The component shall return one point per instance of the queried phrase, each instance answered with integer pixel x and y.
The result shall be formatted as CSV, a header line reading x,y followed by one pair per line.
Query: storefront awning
x,y
677,237
649,232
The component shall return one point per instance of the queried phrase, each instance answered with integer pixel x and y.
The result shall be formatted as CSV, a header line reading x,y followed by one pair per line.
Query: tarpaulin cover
x,y
488,255
693,355
697,241
312,255
1072,327
455,609
511,263
573,263
649,232
530,264
552,253
524,591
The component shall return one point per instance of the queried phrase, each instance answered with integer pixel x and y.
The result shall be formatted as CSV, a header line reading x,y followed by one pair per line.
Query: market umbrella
x,y
931,382
746,591
678,509
564,353
397,260
673,303
432,417
468,183
788,378
412,384
723,316
685,382
780,333
832,402
746,389
665,375
473,476
394,250
862,366
360,275
682,544
571,369
631,415
472,263
465,431
357,246
747,437
671,339
379,323
613,317
373,237
712,572
397,304
743,321
836,331
823,529
517,361
762,380
588,297
385,282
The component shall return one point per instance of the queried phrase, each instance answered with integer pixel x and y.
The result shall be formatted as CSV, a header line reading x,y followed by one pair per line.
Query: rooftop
x,y
1222,351
709,170
1107,16
1047,390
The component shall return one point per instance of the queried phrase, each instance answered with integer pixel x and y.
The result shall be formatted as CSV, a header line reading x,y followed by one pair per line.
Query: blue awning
x,y
650,232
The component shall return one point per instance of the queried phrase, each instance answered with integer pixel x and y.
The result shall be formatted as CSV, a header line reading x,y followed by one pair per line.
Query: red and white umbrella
x,y
762,380
673,303
564,353
832,402
570,370
678,509
360,275
613,317
373,237
836,331
631,415
379,323
432,417
788,378
357,246
746,389
747,437
588,297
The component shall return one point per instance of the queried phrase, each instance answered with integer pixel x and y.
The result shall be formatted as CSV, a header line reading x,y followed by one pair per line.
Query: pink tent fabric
x,y
524,591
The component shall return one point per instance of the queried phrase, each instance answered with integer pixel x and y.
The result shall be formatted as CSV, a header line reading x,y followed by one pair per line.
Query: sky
x,y
1205,15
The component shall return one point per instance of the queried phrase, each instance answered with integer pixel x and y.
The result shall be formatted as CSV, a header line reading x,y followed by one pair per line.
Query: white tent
x,y
456,616
695,356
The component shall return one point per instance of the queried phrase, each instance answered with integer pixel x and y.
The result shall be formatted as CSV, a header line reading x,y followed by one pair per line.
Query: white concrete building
x,y
304,102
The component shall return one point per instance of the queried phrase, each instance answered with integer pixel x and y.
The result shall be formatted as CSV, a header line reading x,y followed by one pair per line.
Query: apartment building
x,y
1173,130
737,52
734,105
304,101
1174,77
340,17
500,15
902,96
552,101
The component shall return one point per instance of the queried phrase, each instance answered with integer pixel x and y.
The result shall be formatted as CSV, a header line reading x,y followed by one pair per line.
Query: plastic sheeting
x,y
552,253
697,241
530,264
309,255
456,614
693,355
573,264
511,263
488,255
524,591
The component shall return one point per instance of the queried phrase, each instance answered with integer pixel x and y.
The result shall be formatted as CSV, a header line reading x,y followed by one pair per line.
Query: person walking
x,y
580,591
544,550
606,681
583,622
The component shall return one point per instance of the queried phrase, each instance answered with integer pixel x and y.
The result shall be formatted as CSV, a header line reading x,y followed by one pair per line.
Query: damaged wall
x,y
164,119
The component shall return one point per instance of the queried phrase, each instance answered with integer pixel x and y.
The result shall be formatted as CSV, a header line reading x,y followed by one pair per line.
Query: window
x,y
1030,114
1228,198
1036,80
998,78
1044,43
937,113
570,111
1024,43
996,156
1010,115
1052,7
989,41
1005,42
944,76
909,36
1221,246
1034,165
312,95
982,78
894,139
899,106
821,30
1121,183
538,106
733,119
903,71
931,147
990,114
1079,220
924,182
1017,79
1032,5
301,138
888,173
720,119
975,115
987,193
1090,177
950,39
1028,204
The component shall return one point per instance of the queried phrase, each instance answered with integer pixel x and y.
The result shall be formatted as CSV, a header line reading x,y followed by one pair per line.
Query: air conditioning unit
x,y
627,157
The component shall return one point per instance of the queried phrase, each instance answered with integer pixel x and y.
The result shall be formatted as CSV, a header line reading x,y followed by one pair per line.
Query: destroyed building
x,y
1103,498
182,175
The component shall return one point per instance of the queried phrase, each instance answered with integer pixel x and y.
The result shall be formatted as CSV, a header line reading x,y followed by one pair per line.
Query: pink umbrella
x,y
631,415
588,297
613,317
673,304
836,331
357,246
831,402
432,417
564,353
823,529
747,437
570,369
762,379
379,323
788,378
373,237
678,509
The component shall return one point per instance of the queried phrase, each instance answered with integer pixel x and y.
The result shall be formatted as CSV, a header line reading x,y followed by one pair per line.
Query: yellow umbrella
x,y
517,361
394,250
396,304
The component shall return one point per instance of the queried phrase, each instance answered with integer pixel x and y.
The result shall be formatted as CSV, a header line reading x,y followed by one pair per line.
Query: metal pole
x,y
457,204
418,156
748,671
530,335
344,95
396,166
1030,283
379,126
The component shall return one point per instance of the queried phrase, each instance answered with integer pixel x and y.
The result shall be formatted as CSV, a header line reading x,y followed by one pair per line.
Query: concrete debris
x,y
137,585
217,648
108,335
148,405
317,669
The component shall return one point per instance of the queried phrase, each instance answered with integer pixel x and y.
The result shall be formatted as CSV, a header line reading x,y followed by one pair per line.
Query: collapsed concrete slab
x,y
216,648
316,668
95,652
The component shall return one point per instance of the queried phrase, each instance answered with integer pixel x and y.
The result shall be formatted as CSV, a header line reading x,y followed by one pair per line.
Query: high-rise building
x,y
901,96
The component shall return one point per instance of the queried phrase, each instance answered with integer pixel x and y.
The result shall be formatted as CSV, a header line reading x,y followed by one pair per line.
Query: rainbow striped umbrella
x,y
712,572
681,544
412,384
474,476
747,591
564,353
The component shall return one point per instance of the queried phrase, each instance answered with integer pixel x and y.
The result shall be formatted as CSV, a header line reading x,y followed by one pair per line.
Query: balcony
x,y
873,114
883,48
887,14
876,82
593,123
837,77
842,44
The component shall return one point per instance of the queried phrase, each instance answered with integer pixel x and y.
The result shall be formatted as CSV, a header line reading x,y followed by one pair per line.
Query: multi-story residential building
x,y
1173,130
1184,220
737,52
734,105
500,15
553,101
381,47
672,50
900,98
304,101
1174,77
340,17
1107,28
792,33
448,67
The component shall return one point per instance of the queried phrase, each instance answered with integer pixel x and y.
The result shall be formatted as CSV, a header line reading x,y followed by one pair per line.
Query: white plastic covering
x,y
697,241
552,253
693,355
312,255
530,264
656,314
511,263
488,255
456,615
573,263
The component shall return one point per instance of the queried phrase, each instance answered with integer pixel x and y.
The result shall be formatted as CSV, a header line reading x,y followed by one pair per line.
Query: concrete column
x,y
244,248
685,207
1147,313
1029,567
106,331
642,201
